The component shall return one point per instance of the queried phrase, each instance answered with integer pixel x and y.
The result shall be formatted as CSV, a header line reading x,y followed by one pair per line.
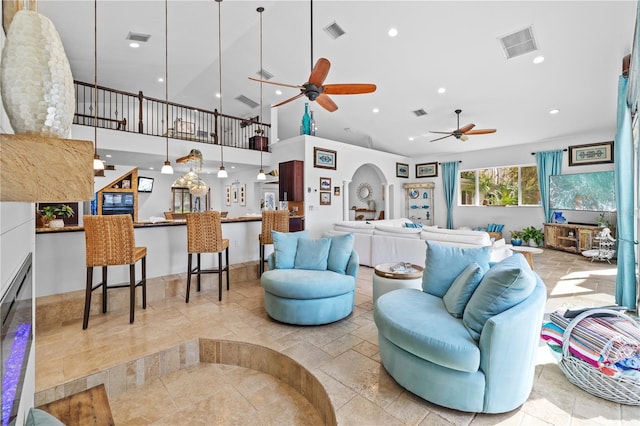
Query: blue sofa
x,y
310,282
468,340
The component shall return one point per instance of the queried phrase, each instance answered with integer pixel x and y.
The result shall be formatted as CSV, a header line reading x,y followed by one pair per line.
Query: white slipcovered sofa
x,y
383,241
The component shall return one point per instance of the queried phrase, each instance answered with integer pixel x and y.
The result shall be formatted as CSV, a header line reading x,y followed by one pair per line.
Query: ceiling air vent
x,y
518,43
420,112
142,38
334,30
264,74
249,102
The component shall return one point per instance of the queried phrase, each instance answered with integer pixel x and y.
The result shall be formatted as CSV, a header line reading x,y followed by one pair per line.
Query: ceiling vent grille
x,y
334,30
249,102
518,43
420,112
143,38
264,74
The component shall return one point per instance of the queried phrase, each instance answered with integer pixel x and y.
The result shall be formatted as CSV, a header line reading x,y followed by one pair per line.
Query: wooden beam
x,y
35,168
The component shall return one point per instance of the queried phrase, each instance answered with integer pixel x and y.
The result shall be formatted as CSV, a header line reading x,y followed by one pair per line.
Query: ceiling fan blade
x,y
319,72
480,131
326,102
443,133
277,84
444,137
288,100
465,129
348,89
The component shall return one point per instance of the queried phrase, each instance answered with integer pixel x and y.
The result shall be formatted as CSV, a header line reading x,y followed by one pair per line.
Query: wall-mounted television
x,y
582,191
145,184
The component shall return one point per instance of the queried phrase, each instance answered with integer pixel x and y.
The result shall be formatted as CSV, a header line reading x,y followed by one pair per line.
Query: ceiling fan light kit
x,y
462,133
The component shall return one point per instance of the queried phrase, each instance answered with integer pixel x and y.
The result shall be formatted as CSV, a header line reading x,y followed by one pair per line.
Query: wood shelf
x,y
35,168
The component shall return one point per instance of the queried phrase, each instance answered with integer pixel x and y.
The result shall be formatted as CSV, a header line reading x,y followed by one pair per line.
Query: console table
x,y
573,238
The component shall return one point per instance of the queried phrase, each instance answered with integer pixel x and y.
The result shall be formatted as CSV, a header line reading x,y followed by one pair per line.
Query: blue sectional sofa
x,y
468,340
310,282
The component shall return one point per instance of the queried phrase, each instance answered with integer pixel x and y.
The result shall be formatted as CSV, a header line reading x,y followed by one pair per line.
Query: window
x,y
500,186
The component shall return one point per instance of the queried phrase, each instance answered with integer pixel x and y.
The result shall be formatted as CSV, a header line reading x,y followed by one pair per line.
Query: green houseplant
x,y
50,215
516,238
533,236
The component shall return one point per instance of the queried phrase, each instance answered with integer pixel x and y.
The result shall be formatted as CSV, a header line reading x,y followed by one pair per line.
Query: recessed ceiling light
x,y
538,59
442,90
233,167
554,111
393,32
108,155
278,92
410,138
160,80
217,95
134,45
376,110
150,168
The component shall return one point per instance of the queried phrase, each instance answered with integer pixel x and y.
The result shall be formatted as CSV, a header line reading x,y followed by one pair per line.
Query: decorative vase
x,y
37,84
532,243
305,128
516,241
56,223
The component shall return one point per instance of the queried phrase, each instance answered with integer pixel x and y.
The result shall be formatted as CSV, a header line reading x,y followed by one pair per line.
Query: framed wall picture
x,y
426,170
325,184
402,170
594,153
243,195
227,195
324,158
325,198
336,191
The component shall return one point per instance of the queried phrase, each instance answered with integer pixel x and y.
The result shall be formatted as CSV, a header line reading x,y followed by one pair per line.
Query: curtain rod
x,y
459,161
565,150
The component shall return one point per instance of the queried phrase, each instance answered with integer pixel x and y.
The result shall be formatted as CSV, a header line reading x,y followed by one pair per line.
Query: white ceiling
x,y
451,44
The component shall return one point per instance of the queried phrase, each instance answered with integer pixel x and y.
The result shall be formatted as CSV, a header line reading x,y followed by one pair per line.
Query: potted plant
x,y
516,238
533,236
50,214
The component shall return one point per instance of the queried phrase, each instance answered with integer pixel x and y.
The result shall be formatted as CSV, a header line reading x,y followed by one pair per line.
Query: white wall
x,y
512,217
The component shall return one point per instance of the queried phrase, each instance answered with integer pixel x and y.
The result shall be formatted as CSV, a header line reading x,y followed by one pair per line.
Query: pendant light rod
x,y
97,164
222,173
311,30
167,169
261,175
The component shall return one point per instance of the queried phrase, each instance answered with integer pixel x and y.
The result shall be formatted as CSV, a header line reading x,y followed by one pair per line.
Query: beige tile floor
x,y
343,356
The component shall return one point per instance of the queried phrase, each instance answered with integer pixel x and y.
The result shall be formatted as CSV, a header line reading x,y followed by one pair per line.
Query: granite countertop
x,y
149,224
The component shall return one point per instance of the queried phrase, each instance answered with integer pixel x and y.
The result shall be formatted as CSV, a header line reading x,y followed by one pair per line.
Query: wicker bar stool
x,y
109,242
272,220
204,235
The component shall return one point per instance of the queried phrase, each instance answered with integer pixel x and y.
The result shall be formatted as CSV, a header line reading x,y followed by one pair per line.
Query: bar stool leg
x,y
219,276
198,271
261,259
188,276
227,267
87,298
144,282
104,289
132,291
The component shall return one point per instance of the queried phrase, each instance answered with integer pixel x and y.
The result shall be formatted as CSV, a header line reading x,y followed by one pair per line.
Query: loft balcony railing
x,y
137,113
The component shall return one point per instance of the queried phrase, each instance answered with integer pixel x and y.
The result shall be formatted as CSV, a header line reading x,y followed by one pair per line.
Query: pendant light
x,y
167,169
97,164
222,173
260,131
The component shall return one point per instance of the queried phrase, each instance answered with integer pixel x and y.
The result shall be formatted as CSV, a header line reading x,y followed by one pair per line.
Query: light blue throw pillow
x,y
444,264
312,254
506,284
37,417
458,295
339,252
285,245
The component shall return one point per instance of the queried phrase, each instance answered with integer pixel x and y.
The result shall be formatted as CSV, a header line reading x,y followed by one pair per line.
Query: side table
x,y
527,252
386,280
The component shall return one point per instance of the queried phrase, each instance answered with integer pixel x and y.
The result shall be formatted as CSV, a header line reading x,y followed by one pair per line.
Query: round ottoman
x,y
386,280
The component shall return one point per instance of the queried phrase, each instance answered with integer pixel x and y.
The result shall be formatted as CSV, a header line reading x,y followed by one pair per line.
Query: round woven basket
x,y
622,389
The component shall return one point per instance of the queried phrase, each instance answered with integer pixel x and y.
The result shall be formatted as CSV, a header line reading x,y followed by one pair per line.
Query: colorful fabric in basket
x,y
611,344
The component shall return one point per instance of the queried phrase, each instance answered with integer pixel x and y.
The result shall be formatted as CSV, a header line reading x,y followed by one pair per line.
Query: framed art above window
x,y
594,153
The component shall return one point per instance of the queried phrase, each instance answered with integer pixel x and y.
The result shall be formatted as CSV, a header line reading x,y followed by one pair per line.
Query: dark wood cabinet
x,y
296,224
291,186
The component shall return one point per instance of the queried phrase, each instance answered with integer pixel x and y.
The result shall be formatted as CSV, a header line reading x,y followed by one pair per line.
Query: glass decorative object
x,y
37,84
305,128
313,125
199,188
